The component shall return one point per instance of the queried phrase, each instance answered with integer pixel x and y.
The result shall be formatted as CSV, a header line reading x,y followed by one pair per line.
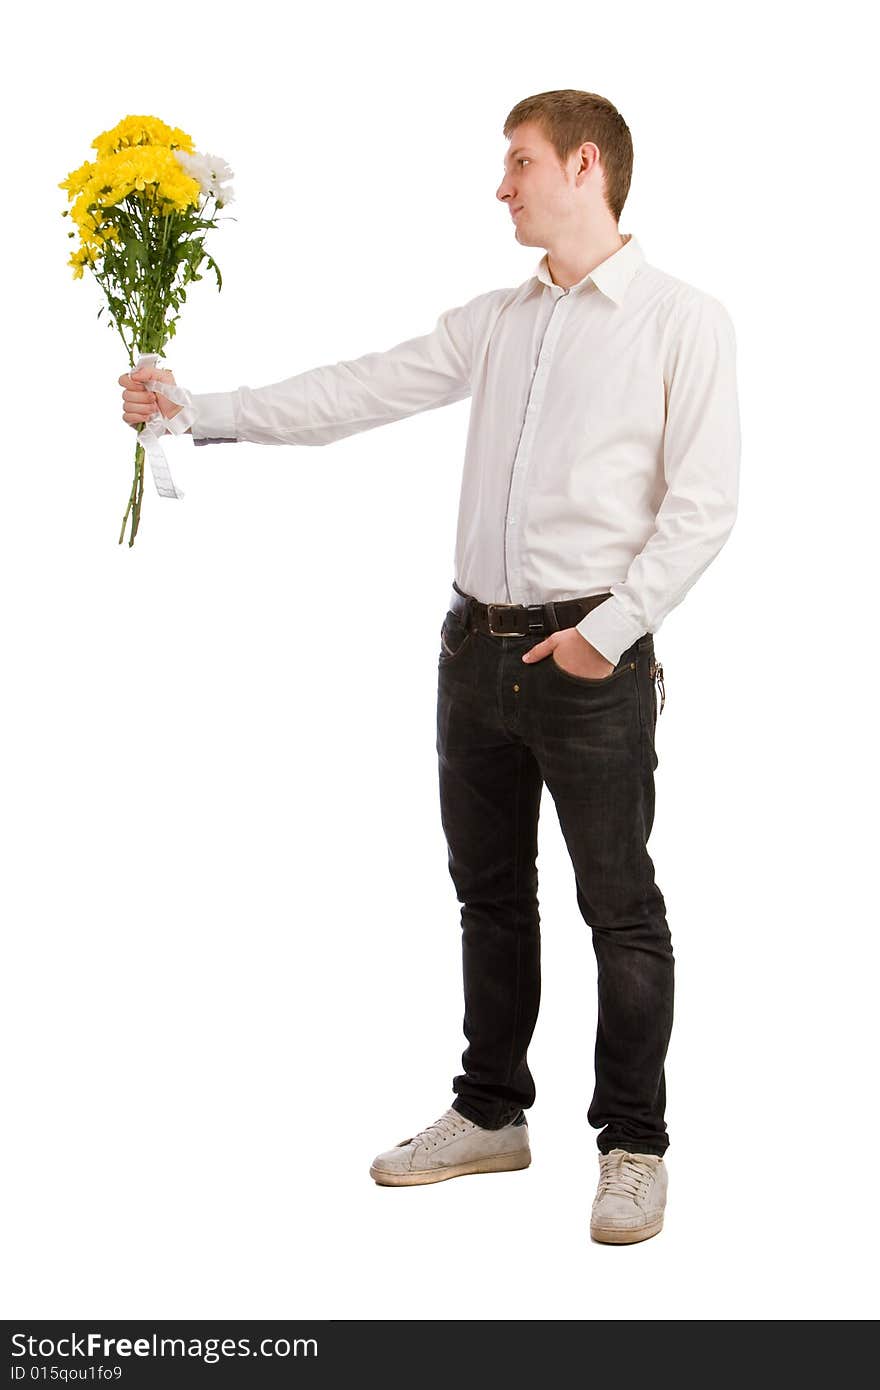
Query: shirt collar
x,y
611,276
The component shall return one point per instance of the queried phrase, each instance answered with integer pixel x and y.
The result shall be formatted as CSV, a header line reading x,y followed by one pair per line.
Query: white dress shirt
x,y
603,444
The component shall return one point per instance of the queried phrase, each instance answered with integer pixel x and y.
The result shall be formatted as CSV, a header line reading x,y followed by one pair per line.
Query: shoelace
x,y
622,1175
447,1127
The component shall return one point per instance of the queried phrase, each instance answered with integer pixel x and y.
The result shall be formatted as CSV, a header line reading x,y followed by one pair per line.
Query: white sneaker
x,y
631,1199
451,1147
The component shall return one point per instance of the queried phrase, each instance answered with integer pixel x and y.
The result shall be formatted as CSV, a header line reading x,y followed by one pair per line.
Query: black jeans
x,y
504,728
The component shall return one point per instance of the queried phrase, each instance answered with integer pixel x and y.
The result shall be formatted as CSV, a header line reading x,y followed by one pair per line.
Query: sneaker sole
x,y
608,1235
495,1163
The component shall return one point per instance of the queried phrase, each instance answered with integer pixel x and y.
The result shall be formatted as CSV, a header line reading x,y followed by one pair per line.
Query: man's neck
x,y
567,269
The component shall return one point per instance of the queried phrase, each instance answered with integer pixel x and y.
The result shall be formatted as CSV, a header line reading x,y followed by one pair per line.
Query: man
x,y
600,480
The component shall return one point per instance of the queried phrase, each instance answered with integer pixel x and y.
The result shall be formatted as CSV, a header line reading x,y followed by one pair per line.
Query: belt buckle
x,y
507,606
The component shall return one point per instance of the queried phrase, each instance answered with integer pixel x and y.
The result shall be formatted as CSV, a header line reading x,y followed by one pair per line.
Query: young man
x,y
600,480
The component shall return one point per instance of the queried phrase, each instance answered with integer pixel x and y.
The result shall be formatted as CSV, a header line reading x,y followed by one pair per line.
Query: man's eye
x,y
522,161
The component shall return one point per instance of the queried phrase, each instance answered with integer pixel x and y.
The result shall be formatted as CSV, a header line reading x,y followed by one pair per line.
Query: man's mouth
x,y
514,211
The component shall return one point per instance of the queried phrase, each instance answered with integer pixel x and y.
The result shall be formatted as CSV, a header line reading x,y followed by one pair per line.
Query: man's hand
x,y
574,654
139,402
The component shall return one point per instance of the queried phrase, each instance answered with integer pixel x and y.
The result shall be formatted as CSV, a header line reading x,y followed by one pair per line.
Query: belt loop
x,y
551,622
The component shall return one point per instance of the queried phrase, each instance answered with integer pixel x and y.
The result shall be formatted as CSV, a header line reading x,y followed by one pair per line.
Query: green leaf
x,y
216,269
136,248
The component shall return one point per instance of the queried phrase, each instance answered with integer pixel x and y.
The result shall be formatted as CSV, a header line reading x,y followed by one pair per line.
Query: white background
x,y
231,943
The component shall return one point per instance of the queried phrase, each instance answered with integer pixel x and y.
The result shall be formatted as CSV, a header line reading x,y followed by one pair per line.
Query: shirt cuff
x,y
215,416
610,629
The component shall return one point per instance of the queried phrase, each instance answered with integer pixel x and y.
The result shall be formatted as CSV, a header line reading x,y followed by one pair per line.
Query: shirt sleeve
x,y
701,464
343,398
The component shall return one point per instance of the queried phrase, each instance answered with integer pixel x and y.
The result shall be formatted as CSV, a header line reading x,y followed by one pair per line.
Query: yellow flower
x,y
152,171
136,156
75,181
141,130
79,258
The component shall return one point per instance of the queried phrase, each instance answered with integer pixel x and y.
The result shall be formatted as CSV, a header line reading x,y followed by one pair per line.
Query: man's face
x,y
539,192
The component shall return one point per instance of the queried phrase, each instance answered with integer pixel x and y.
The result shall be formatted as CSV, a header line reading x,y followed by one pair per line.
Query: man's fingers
x,y
140,402
143,374
539,650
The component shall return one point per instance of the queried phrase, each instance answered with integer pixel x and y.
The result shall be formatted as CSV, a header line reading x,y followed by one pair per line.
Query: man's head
x,y
568,166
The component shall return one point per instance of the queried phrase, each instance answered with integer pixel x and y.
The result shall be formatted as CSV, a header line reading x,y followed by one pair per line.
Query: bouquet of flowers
x,y
141,208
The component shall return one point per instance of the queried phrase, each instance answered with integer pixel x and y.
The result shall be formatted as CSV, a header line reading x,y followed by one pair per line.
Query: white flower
x,y
209,171
220,170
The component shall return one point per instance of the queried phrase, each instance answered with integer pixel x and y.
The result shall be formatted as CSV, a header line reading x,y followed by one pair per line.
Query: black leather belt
x,y
521,619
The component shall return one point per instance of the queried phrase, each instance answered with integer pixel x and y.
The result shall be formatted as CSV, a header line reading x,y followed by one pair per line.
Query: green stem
x,y
132,496
139,479
151,333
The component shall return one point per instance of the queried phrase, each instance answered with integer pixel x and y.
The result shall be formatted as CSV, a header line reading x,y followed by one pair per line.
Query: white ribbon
x,y
160,424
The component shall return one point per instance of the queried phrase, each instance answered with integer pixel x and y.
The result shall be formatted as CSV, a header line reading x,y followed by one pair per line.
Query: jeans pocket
x,y
594,682
454,637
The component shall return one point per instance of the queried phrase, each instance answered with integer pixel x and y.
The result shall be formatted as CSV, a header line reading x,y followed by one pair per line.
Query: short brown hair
x,y
568,119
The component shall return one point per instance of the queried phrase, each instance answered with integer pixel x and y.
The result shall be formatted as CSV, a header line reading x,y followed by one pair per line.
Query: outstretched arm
x,y
343,398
